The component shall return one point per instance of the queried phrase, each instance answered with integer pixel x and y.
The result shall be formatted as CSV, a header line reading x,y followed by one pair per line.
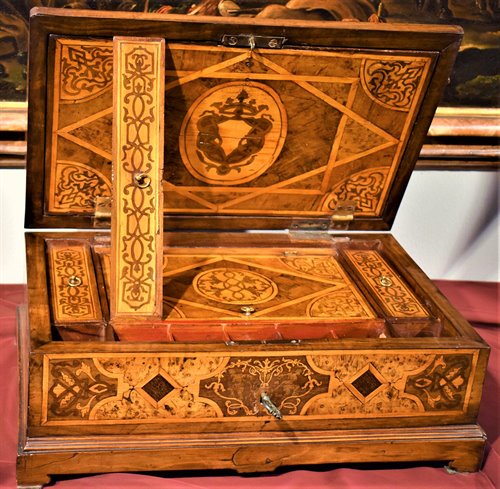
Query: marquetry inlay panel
x,y
233,133
73,285
249,132
137,189
235,286
198,387
86,70
363,188
395,296
219,286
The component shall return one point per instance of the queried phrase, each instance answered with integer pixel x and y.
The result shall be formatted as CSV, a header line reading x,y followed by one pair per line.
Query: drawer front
x,y
124,388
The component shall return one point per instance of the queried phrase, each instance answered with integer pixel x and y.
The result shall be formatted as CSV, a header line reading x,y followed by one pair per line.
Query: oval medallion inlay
x,y
233,133
235,286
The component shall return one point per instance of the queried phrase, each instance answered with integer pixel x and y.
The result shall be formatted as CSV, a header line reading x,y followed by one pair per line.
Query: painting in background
x,y
476,78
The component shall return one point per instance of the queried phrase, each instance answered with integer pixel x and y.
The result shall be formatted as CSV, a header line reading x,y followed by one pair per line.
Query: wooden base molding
x,y
460,446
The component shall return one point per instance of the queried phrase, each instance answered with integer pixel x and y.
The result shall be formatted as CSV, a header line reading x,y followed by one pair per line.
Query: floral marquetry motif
x,y
237,388
392,83
235,286
167,387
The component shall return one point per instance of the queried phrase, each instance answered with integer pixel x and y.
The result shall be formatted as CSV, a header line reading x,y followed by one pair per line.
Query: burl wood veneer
x,y
171,343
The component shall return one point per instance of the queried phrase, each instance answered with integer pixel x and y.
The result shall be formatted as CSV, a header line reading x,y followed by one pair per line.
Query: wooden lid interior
x,y
254,138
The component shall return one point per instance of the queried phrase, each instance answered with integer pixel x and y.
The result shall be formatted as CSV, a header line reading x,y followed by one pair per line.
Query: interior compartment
x,y
264,293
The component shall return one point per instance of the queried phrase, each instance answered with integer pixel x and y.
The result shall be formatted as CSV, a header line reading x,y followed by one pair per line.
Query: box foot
x,y
468,463
30,478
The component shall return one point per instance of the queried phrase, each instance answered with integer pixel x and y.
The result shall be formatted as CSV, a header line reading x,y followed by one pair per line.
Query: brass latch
x,y
343,214
102,212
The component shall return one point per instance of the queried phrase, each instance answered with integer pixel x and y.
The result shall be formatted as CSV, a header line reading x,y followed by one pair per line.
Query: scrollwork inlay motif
x,y
392,83
80,389
137,157
396,297
364,188
86,70
78,187
70,264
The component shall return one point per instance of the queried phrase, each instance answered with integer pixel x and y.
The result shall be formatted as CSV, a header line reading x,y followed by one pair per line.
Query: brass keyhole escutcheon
x,y
385,281
74,281
247,310
142,180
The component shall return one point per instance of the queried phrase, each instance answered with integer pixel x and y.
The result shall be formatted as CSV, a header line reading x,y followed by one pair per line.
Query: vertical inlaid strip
x,y
73,284
136,252
394,296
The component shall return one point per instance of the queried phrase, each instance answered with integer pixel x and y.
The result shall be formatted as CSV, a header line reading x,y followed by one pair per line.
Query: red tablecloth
x,y
477,301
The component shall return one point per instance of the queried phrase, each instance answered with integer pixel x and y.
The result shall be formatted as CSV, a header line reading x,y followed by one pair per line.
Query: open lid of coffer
x,y
268,125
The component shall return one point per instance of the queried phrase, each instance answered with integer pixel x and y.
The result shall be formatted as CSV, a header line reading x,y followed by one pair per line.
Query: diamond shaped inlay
x,y
366,383
158,387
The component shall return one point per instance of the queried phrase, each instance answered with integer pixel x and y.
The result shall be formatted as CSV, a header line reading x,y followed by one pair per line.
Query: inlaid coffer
x,y
214,307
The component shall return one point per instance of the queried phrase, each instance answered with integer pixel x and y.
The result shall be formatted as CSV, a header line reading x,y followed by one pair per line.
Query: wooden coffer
x,y
230,318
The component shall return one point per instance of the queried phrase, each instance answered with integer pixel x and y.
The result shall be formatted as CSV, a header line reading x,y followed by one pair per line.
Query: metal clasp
x,y
252,42
142,180
385,281
74,281
247,310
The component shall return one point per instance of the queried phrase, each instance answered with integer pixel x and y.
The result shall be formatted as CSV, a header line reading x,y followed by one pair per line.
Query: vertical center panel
x,y
136,251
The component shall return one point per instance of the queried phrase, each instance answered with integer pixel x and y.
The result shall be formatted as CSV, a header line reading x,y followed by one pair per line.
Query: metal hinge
x,y
102,212
252,42
343,215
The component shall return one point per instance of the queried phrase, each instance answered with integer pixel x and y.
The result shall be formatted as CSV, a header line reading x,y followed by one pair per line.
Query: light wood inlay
x,y
305,287
395,296
136,252
72,281
334,116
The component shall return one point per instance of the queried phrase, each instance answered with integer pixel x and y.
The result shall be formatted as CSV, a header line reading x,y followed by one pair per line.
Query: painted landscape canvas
x,y
476,78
